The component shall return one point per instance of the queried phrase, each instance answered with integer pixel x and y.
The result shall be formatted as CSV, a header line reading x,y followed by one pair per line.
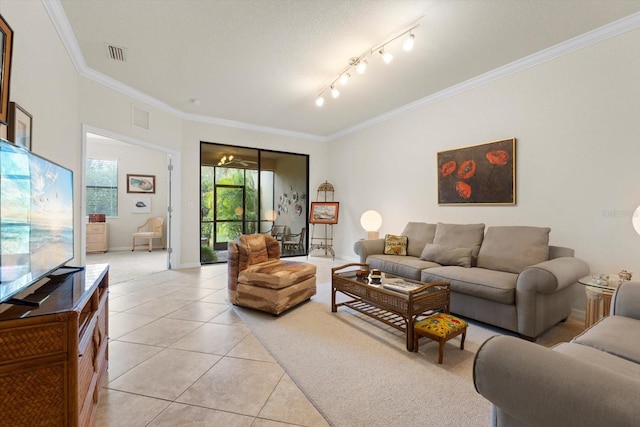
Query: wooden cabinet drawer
x,y
96,228
32,341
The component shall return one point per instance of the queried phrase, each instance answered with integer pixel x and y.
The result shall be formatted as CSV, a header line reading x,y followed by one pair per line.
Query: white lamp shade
x,y
636,220
371,221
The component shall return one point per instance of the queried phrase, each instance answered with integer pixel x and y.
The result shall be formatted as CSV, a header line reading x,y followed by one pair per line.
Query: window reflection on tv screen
x,y
36,218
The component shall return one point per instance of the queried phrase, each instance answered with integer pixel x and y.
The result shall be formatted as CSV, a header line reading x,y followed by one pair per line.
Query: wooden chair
x,y
294,242
154,230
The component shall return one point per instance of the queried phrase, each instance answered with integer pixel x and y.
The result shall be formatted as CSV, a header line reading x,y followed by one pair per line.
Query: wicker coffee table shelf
x,y
396,309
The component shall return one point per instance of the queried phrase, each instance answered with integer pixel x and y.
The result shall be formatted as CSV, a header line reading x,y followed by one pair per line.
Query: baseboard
x,y
577,313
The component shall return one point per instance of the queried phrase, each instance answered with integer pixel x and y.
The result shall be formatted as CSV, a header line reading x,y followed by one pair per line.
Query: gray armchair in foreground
x,y
592,381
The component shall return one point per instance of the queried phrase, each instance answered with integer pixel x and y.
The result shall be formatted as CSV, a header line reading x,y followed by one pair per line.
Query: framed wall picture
x,y
324,213
141,204
6,48
141,183
479,174
20,126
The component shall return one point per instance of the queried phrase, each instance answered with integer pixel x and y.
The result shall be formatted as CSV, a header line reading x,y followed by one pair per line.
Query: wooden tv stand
x,y
53,359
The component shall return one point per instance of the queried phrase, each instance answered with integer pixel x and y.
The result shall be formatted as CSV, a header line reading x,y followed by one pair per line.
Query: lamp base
x,y
372,235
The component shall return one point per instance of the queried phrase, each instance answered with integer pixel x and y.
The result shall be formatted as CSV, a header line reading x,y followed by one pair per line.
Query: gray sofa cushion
x,y
460,236
601,359
419,234
513,249
617,335
405,266
497,286
446,255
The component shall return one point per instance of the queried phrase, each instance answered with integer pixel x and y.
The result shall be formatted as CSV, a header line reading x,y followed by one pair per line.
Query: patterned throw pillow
x,y
395,245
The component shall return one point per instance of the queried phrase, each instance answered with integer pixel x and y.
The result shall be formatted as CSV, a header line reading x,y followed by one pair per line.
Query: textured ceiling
x,y
263,62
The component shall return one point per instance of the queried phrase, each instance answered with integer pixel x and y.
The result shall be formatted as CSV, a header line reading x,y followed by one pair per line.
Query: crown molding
x,y
613,29
63,27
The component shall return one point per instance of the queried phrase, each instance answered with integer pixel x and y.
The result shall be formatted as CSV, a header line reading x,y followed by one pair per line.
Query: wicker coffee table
x,y
397,309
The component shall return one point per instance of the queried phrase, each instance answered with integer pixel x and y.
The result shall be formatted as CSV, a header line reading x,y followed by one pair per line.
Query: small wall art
x,y
20,126
479,174
324,213
141,204
141,183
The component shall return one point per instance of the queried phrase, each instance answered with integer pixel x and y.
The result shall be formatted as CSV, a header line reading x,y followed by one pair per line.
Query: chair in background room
x,y
294,242
152,229
278,231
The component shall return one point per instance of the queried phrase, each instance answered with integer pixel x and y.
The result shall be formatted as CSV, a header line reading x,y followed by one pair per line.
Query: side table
x,y
598,300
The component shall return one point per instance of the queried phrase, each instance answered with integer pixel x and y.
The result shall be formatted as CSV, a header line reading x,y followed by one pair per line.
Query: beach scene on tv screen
x,y
37,215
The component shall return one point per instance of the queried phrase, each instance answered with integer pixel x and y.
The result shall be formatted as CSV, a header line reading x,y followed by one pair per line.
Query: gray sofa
x,y
508,277
594,380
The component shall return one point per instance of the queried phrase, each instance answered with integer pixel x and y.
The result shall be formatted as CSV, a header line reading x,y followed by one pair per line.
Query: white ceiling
x,y
263,62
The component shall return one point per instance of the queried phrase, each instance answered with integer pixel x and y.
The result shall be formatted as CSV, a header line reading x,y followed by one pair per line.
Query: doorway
x,y
247,190
133,158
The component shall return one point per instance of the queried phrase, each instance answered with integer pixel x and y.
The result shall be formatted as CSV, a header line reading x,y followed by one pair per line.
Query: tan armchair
x,y
152,229
258,278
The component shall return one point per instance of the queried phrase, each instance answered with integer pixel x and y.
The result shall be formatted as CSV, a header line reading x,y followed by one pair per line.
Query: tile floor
x,y
180,355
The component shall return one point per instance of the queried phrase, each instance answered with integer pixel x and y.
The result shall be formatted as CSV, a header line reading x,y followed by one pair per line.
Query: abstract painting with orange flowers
x,y
480,174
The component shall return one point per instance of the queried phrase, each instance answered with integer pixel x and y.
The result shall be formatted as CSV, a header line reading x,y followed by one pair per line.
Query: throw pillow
x,y
447,255
419,234
460,236
514,248
395,245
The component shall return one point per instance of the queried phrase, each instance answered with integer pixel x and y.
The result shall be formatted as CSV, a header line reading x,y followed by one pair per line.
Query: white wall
x,y
578,144
45,83
132,159
575,119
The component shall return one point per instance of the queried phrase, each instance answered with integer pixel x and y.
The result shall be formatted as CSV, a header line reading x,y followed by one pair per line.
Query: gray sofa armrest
x,y
626,300
551,275
537,386
364,248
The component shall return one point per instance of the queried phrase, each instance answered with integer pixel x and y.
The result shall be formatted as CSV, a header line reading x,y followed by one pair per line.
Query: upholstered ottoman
x,y
276,285
440,327
259,279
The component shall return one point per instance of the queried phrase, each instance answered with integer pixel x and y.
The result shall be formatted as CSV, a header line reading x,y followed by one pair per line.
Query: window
x,y
102,187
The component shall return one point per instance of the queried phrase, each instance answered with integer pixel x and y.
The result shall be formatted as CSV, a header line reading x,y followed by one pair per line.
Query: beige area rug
x,y
357,371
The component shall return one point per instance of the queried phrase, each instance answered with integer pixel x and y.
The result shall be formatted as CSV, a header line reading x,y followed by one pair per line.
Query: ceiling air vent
x,y
116,53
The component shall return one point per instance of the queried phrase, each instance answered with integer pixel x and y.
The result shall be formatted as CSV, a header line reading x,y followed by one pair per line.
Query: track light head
x,y
344,78
335,92
386,56
362,66
408,43
320,101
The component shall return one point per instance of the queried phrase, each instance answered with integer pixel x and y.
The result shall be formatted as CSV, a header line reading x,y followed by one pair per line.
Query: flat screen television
x,y
36,218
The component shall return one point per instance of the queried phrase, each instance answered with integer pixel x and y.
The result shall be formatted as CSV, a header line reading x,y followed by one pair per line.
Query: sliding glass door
x,y
246,190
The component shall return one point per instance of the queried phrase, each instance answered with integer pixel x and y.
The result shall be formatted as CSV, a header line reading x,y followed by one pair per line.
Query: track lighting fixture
x,y
386,56
359,63
408,43
362,66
